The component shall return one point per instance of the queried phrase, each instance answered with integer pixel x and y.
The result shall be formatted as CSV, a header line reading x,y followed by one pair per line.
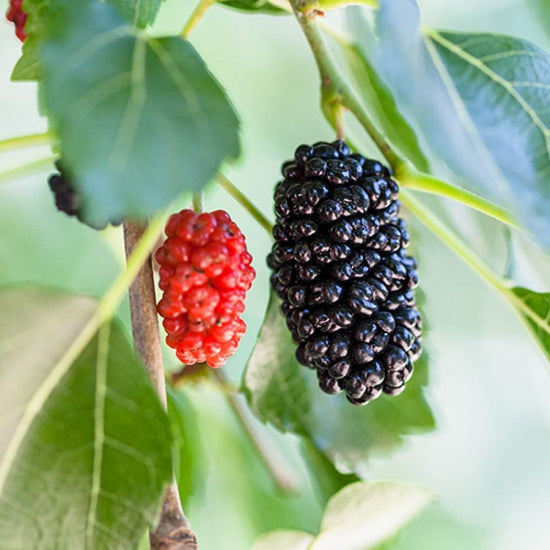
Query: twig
x,y
20,142
26,169
173,531
244,201
283,477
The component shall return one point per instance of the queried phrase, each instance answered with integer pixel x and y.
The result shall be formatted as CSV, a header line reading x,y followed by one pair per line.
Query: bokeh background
x,y
489,387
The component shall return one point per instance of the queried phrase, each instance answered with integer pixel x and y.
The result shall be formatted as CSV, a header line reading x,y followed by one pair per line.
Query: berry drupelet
x,y
18,17
205,273
340,268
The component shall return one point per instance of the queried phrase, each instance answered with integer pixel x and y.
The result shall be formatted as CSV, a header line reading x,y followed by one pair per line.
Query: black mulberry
x,y
342,273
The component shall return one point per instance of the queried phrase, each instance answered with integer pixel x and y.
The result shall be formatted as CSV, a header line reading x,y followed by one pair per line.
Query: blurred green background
x,y
488,459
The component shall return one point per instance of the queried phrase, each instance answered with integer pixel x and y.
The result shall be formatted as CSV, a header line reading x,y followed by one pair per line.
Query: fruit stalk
x,y
173,531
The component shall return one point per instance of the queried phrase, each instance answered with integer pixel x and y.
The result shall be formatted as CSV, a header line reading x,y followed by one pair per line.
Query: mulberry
x,y
205,273
18,17
340,268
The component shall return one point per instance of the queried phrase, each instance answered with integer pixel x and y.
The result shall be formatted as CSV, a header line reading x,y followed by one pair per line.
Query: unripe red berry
x,y
204,273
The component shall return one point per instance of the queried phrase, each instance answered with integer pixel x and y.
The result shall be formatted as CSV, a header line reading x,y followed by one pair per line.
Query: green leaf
x,y
189,459
28,66
140,119
85,448
284,538
381,104
255,6
534,309
140,12
326,479
480,102
363,515
286,394
359,517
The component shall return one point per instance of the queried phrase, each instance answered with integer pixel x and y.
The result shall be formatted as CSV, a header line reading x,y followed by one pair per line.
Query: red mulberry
x,y
205,273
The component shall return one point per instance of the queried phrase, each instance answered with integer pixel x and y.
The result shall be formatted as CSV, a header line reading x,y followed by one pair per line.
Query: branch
x,y
173,531
335,92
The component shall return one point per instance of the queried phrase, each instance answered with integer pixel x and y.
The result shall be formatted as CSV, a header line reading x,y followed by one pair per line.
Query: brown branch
x,y
173,531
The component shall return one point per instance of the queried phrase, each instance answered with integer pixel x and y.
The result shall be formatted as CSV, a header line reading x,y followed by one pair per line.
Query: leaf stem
x,y
432,222
196,16
21,142
335,92
173,531
280,471
425,183
244,201
26,169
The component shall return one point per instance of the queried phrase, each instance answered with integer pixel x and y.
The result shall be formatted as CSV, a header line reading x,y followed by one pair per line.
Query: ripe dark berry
x,y
205,273
66,197
18,17
341,269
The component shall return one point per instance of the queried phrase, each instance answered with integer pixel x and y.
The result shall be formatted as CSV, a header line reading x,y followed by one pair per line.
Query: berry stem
x,y
173,530
333,88
244,201
196,16
197,202
424,183
283,476
26,169
21,142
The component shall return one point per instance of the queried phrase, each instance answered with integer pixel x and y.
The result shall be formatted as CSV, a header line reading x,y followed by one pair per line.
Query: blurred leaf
x,y
363,515
480,101
286,394
85,447
28,65
534,308
380,102
287,539
140,119
189,462
326,479
141,12
359,517
256,6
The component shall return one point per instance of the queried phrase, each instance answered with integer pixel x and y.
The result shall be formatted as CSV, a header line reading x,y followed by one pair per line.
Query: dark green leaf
x,y
255,6
534,308
85,448
282,392
479,100
189,454
380,102
326,479
140,119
